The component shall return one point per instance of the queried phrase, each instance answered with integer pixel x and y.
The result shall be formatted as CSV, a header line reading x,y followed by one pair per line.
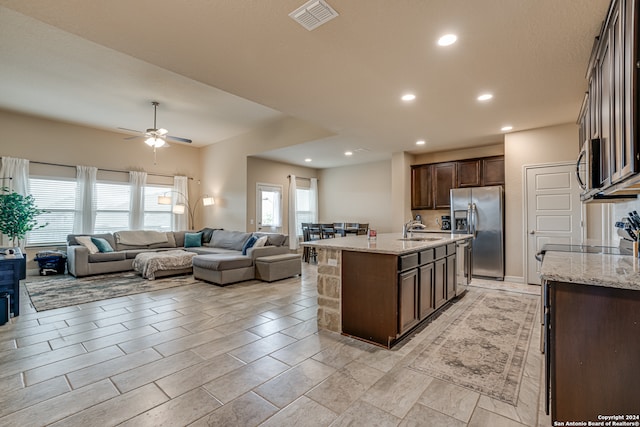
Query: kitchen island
x,y
379,290
591,331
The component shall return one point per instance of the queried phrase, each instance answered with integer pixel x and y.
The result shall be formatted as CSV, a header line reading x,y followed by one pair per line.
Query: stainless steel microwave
x,y
588,165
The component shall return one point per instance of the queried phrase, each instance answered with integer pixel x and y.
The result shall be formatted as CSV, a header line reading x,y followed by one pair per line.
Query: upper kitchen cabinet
x,y
609,114
421,187
469,173
444,179
431,183
493,171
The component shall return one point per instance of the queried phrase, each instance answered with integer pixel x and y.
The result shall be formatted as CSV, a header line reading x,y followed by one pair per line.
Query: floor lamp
x,y
181,208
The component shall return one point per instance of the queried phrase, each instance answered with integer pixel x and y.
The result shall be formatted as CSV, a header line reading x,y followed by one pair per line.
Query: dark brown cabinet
x,y
408,310
493,171
444,179
440,282
426,295
421,187
469,173
591,351
451,275
431,183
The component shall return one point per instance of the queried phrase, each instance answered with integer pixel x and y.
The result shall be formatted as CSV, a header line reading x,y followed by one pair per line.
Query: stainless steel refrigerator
x,y
480,211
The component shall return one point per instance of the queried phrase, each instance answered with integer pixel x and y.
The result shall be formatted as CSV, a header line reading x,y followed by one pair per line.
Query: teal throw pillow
x,y
102,244
192,240
249,244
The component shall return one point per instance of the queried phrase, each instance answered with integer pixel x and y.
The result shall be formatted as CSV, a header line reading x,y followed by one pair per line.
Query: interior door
x,y
553,213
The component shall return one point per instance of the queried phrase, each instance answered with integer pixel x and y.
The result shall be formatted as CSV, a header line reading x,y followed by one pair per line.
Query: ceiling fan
x,y
156,137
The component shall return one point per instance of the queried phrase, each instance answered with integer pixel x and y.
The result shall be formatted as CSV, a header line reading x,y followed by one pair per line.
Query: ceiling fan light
x,y
154,142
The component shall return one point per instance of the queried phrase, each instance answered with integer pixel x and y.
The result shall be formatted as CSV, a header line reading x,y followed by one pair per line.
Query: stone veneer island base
x,y
380,290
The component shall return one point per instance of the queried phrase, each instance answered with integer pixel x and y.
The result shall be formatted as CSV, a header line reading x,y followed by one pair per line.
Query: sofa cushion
x,y
102,245
207,233
87,243
178,236
71,238
229,239
170,243
273,239
107,256
209,250
221,262
192,240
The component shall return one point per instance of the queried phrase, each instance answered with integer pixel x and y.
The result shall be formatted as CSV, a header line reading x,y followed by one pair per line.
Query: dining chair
x,y
327,231
362,228
339,227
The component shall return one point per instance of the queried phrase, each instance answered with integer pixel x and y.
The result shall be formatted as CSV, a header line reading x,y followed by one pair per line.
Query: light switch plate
x,y
333,262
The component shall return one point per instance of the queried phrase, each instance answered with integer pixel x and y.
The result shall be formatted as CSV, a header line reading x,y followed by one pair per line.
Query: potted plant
x,y
18,215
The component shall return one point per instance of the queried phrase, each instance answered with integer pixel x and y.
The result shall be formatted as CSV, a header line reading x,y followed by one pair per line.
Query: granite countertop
x,y
612,271
387,243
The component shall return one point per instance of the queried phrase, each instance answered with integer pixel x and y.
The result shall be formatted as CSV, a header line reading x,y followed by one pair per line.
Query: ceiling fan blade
x,y
132,137
177,138
131,130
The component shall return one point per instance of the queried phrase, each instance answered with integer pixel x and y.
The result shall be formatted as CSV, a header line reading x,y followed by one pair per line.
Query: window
x,y
269,207
57,197
303,208
156,217
112,207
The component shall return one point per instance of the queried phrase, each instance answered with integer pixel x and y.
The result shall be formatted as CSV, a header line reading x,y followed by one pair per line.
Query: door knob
x,y
532,232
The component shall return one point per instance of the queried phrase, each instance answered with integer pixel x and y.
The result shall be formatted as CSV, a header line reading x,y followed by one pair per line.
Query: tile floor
x,y
244,355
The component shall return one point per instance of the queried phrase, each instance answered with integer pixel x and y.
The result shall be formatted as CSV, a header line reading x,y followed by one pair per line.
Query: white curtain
x,y
313,199
137,180
85,211
18,171
293,229
180,195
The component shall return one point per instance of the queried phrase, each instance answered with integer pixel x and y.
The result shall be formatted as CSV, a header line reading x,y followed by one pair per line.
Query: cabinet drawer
x,y
426,256
441,252
406,262
451,248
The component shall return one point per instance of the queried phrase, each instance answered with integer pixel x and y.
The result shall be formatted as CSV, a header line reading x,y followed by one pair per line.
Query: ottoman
x,y
152,265
222,269
276,267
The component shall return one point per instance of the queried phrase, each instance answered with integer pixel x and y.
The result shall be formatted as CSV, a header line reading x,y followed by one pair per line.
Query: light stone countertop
x,y
388,243
611,271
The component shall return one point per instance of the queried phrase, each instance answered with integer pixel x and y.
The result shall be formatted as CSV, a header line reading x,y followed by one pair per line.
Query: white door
x,y
553,213
269,207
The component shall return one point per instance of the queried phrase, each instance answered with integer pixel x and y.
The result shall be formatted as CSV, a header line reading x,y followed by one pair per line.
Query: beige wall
x,y
461,154
544,145
359,193
270,172
224,167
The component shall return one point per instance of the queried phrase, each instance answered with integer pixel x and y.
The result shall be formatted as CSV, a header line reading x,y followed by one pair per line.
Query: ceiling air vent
x,y
313,13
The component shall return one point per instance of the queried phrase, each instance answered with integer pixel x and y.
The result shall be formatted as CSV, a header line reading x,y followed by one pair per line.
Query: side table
x,y
10,268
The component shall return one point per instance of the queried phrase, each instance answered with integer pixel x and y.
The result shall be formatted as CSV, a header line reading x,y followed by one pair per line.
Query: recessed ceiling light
x,y
307,160
421,142
408,97
485,97
447,40
506,128
348,153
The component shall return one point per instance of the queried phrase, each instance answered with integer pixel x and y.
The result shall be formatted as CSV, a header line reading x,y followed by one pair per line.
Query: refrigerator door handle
x,y
474,220
469,219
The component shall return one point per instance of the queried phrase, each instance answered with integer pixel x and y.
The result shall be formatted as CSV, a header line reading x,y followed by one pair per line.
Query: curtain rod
x,y
301,177
104,170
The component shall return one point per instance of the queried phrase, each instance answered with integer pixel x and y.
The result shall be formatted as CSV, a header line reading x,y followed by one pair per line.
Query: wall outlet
x,y
332,262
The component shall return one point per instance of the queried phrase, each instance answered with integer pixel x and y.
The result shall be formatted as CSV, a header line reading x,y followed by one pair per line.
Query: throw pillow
x,y
87,243
101,244
249,244
261,242
192,240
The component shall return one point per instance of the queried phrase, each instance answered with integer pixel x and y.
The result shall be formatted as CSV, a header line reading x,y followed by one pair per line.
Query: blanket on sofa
x,y
147,263
140,237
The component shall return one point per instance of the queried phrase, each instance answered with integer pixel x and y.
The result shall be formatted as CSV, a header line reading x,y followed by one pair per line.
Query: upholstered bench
x,y
276,267
223,269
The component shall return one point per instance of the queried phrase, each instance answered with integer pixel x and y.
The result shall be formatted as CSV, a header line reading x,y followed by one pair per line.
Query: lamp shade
x,y
207,201
164,200
179,209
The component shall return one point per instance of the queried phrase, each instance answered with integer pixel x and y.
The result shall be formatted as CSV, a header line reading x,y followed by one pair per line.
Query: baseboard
x,y
514,279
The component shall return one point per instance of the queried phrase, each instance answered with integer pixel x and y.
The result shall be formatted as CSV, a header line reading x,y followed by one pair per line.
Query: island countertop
x,y
388,243
605,270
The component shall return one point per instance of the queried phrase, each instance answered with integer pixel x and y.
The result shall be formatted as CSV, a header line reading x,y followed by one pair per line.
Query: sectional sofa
x,y
223,249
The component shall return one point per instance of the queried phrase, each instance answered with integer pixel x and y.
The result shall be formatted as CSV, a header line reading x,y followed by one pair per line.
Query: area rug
x,y
64,291
485,348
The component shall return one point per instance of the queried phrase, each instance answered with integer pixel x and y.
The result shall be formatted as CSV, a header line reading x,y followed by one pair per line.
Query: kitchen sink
x,y
421,239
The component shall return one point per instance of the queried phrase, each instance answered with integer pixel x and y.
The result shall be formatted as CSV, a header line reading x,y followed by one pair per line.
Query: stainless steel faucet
x,y
410,226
